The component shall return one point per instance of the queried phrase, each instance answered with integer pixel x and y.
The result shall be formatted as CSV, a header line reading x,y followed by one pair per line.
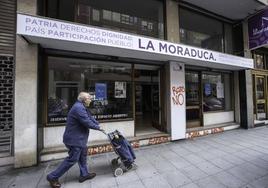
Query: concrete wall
x,y
172,21
236,98
247,116
53,135
25,115
218,118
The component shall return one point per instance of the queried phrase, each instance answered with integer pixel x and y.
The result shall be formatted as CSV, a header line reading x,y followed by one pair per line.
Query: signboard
x,y
51,29
258,30
178,100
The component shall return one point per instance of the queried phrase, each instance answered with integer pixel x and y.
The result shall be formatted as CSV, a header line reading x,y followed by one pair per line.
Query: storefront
x,y
257,28
260,89
141,86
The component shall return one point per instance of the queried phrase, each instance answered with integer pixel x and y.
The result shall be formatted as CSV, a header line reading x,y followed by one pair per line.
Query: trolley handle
x,y
103,131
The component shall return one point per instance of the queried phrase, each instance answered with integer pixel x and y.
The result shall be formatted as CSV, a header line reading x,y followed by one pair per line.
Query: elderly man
x,y
75,138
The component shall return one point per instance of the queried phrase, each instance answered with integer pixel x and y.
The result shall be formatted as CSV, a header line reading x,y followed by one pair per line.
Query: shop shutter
x,y
7,26
7,64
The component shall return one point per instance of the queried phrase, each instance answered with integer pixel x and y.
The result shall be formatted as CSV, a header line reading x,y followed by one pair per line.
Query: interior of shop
x,y
147,100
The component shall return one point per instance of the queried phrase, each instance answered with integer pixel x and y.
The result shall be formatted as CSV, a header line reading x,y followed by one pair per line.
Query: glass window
x,y
107,15
259,61
125,15
61,9
228,38
194,32
109,84
96,15
216,92
260,88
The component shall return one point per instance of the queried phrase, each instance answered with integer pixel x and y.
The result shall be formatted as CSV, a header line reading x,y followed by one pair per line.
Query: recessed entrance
x,y
260,94
147,99
193,98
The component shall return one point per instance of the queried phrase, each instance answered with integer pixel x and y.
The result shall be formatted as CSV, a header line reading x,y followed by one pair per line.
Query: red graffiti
x,y
178,95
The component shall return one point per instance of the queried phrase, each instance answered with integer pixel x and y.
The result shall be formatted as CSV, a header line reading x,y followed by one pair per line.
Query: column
x,y
25,116
172,21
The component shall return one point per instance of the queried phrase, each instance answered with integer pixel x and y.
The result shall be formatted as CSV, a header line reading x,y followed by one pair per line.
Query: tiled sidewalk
x,y
237,158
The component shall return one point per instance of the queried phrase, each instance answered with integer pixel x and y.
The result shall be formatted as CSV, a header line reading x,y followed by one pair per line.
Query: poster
x,y
207,89
258,29
220,90
101,91
120,89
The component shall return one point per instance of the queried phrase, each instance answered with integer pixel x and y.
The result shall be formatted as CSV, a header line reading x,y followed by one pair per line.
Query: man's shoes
x,y
88,177
54,183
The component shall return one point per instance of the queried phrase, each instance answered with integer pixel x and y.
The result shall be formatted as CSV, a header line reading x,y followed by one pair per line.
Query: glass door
x,y
147,99
260,97
193,98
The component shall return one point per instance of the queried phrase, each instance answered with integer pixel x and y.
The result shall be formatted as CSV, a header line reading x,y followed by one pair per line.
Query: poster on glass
x,y
120,90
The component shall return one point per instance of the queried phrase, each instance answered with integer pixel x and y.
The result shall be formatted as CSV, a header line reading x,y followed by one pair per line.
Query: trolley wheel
x,y
118,172
114,162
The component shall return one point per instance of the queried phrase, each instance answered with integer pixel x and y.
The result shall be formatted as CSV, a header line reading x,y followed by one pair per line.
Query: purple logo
x,y
258,29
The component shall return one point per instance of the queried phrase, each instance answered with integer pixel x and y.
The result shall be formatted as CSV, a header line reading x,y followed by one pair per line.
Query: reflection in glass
x,y
259,61
192,96
192,88
217,91
213,92
260,87
109,84
123,15
261,112
194,32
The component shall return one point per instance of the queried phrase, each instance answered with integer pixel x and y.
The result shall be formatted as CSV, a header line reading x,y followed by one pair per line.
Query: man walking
x,y
75,138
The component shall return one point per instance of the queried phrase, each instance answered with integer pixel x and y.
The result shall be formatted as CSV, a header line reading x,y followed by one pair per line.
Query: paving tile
x,y
233,159
71,184
103,181
190,185
163,166
207,155
28,177
208,168
181,151
260,162
261,182
194,173
229,180
146,171
156,182
210,182
180,163
240,173
194,158
248,186
256,170
127,177
134,184
169,155
176,178
221,163
8,178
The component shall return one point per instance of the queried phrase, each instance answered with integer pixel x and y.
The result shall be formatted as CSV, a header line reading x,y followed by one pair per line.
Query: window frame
x,y
46,94
231,83
210,15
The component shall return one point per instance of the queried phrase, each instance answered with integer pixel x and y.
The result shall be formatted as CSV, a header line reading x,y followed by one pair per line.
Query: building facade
x,y
257,25
158,70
